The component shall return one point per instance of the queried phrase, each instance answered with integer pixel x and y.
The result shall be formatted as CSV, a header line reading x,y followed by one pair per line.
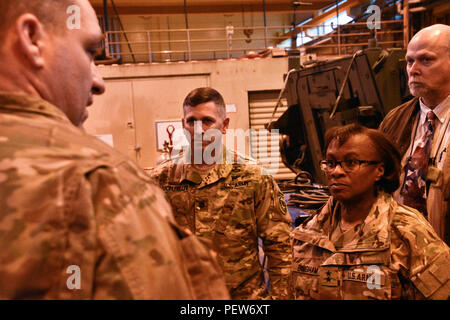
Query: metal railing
x,y
170,45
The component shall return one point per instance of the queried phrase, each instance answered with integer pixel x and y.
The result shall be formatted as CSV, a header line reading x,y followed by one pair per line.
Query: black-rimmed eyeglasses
x,y
346,165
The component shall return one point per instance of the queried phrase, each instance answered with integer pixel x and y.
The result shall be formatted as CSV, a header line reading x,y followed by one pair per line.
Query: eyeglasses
x,y
346,165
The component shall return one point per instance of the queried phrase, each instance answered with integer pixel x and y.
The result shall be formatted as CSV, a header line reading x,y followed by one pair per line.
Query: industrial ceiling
x,y
210,6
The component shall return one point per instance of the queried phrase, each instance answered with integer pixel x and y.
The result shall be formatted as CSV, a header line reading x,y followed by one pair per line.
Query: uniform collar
x,y
184,173
374,234
216,173
19,102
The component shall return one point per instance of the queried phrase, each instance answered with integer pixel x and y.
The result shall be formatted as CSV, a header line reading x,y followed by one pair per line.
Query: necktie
x,y
414,188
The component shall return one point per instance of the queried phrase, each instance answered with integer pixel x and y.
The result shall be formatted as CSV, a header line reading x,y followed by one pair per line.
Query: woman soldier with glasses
x,y
363,244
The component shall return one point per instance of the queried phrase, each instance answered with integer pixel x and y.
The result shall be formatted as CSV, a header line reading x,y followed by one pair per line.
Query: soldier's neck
x,y
198,160
355,212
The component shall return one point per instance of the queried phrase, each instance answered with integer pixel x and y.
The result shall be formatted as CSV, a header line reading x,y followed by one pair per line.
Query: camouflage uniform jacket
x,y
232,206
78,220
394,254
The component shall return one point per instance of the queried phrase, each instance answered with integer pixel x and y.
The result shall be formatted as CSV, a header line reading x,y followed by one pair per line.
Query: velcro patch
x,y
307,269
174,188
361,276
328,277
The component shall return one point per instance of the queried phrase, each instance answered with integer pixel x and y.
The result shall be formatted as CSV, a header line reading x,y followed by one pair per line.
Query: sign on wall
x,y
166,127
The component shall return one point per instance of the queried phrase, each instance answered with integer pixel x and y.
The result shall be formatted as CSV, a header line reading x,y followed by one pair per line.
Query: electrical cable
x,y
305,195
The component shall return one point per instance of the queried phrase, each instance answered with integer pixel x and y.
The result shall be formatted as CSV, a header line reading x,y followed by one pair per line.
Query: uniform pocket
x,y
182,205
205,275
236,218
304,277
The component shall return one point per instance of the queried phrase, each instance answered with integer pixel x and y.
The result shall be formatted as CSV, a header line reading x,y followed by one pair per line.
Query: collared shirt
x,y
232,205
393,254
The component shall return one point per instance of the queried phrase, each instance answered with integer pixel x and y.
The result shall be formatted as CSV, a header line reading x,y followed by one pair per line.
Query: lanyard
x,y
444,128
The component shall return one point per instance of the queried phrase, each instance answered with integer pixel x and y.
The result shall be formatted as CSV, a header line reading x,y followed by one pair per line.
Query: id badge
x,y
433,174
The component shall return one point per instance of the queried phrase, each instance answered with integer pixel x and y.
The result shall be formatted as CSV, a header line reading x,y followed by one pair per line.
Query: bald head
x,y
44,56
51,13
436,36
428,64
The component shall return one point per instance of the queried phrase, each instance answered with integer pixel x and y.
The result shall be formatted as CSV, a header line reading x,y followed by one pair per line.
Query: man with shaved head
x,y
78,220
420,127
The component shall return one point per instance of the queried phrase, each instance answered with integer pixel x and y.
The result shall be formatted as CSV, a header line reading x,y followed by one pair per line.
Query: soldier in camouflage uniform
x,y
363,244
230,203
78,220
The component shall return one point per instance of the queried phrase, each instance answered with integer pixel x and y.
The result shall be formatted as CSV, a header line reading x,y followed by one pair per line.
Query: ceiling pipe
x,y
405,23
123,29
338,28
294,24
264,8
186,14
105,15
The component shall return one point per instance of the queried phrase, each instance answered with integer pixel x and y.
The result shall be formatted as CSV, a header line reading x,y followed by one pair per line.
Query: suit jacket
x,y
398,125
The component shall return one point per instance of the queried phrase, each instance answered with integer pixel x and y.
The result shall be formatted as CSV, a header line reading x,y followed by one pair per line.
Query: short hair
x,y
203,95
389,154
49,12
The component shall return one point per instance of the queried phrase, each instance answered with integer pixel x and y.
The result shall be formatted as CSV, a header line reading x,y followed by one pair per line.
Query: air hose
x,y
305,195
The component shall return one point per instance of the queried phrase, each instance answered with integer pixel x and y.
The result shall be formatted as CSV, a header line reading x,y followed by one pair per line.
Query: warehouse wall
x,y
139,95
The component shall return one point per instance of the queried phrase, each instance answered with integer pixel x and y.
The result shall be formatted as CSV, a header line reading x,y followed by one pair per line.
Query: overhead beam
x,y
213,8
323,17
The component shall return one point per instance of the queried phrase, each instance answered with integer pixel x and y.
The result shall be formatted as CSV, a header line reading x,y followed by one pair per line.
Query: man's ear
x,y
226,123
30,34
